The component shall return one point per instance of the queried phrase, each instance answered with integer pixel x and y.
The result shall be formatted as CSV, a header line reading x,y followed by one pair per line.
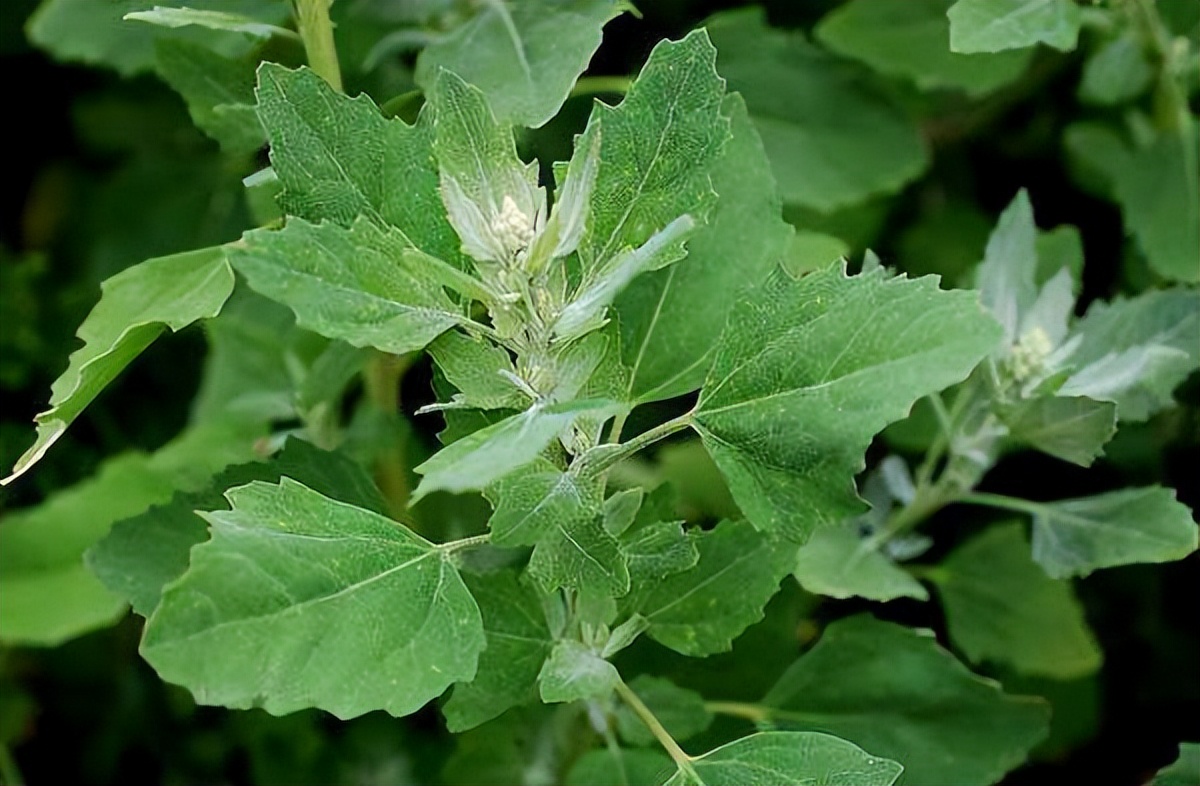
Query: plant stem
x,y
751,712
1002,502
681,759
591,85
465,543
613,454
10,775
312,17
381,384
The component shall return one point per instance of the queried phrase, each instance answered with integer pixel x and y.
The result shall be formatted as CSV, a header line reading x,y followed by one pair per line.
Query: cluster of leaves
x,y
298,546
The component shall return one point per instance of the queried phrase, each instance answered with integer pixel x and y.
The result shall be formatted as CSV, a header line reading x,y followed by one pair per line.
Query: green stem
x,y
751,712
681,759
613,454
593,85
1172,101
1002,502
10,775
312,17
381,384
465,543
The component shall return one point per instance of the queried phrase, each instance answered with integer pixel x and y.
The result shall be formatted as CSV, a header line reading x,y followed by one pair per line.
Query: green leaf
x,y
1000,606
479,369
1157,186
836,562
809,371
1058,248
364,285
579,553
219,92
47,596
1116,72
135,306
525,56
701,610
574,672
996,25
1005,278
1134,352
907,699
338,158
1073,537
656,150
1184,771
1072,428
681,711
621,766
831,142
212,20
474,461
666,351
492,198
141,555
518,643
282,609
912,40
774,757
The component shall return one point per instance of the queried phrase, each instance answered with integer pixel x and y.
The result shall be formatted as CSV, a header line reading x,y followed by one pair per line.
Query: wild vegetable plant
x,y
578,319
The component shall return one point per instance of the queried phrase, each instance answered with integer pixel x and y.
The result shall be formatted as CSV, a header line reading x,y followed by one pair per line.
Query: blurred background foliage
x,y
913,159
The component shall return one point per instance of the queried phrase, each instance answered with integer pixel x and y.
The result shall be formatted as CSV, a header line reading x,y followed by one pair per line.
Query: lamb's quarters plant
x,y
659,408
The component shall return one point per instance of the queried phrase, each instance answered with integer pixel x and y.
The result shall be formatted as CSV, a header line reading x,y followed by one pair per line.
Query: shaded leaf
x,y
996,25
838,563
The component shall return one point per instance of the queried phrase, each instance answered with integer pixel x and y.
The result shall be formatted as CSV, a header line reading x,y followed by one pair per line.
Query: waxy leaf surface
x,y
770,758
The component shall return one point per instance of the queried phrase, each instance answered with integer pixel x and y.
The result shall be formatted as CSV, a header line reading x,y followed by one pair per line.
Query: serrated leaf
x,y
1134,352
831,141
142,554
627,767
479,369
135,306
574,672
518,643
338,158
363,285
836,562
996,25
681,711
809,371
1072,428
1073,537
525,56
47,595
672,112
219,92
579,553
301,601
908,699
226,21
911,39
1002,607
774,757
1157,186
666,351
474,461
701,610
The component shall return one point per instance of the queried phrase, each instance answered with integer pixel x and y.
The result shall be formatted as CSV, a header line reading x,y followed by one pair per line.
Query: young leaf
x,y
672,113
135,306
701,610
141,555
809,371
473,462
524,56
681,711
492,199
666,351
219,92
574,672
774,757
1073,537
518,643
338,158
362,285
479,369
1134,352
912,39
283,607
832,143
1005,278
46,594
1072,428
838,563
1002,607
996,25
907,699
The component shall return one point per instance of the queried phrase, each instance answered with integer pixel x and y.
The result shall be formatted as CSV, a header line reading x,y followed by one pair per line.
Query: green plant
x,y
645,289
